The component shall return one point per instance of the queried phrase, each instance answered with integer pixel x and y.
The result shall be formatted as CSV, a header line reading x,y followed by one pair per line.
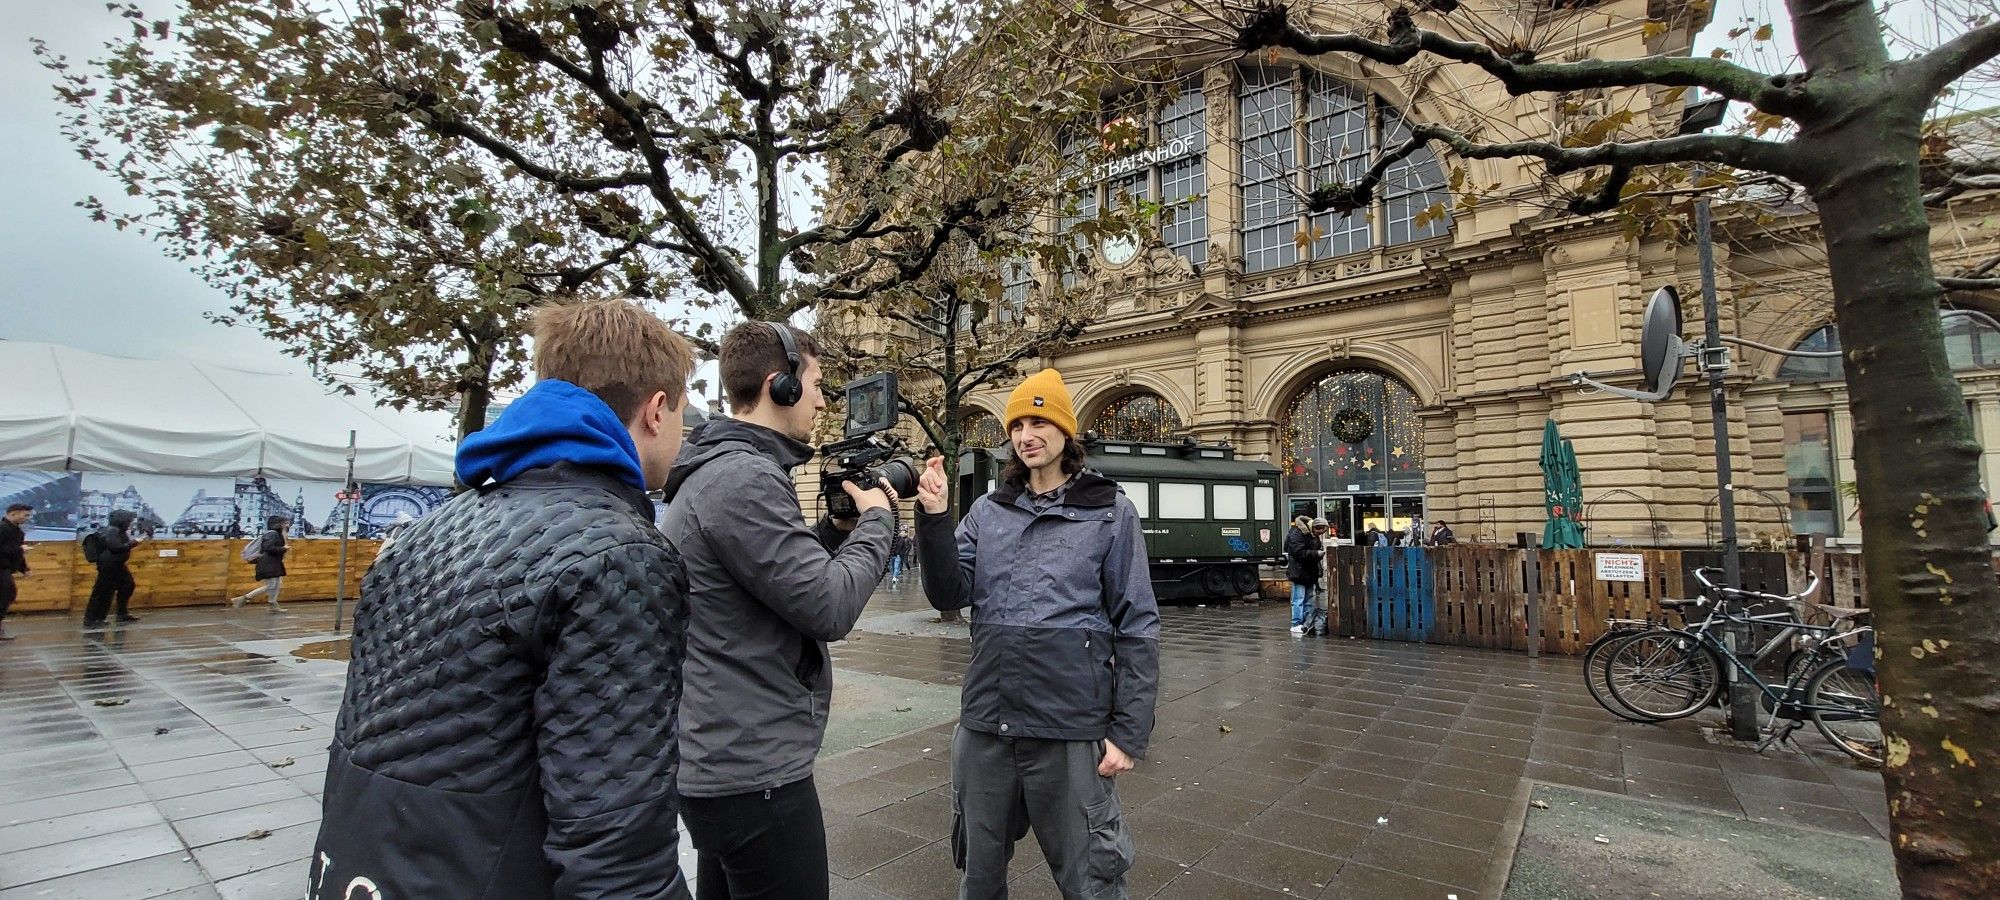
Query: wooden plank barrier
x,y
186,573
1472,595
1347,591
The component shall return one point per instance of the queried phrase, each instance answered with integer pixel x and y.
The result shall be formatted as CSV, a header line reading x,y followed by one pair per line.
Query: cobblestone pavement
x,y
136,762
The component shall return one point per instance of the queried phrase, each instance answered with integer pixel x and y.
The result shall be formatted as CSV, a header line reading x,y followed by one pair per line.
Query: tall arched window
x,y
1344,131
1970,342
981,429
1354,453
1142,416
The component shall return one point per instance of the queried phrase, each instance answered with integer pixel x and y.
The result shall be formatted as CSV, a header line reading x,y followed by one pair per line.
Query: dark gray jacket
x,y
116,539
1065,631
271,562
766,595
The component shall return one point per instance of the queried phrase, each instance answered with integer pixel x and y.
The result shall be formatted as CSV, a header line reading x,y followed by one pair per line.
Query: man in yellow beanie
x,y
1058,699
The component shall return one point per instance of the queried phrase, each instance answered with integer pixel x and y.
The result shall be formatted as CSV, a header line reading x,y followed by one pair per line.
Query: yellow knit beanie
x,y
1043,395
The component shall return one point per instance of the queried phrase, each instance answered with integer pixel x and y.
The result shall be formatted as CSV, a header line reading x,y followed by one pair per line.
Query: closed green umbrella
x,y
1562,491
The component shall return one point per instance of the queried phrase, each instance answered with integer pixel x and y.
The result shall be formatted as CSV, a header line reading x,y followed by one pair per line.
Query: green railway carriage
x,y
1210,519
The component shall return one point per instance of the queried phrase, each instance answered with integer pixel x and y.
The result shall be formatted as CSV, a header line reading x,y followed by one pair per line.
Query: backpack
x,y
93,547
254,550
1316,621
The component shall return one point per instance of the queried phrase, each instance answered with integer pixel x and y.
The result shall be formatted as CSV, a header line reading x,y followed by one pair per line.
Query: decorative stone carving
x,y
1401,259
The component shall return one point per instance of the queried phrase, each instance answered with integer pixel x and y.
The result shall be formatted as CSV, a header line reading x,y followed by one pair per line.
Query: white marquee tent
x,y
63,409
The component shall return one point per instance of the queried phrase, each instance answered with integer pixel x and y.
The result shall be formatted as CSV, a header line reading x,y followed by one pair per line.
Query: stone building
x,y
1401,363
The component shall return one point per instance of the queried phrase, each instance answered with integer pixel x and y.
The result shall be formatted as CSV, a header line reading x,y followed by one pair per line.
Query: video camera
x,y
864,455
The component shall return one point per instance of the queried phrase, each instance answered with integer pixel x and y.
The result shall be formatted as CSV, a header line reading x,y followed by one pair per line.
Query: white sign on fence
x,y
1621,567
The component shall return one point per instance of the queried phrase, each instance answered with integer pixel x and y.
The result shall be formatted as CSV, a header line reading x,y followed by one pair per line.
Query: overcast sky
x,y
72,281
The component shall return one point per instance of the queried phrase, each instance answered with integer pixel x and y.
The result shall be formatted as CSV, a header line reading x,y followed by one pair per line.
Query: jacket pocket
x,y
1110,853
957,832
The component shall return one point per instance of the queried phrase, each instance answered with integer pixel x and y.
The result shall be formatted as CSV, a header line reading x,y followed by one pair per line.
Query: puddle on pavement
x,y
342,649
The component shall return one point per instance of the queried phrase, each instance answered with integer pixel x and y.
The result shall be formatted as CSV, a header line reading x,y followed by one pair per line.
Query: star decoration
x,y
1368,464
1396,452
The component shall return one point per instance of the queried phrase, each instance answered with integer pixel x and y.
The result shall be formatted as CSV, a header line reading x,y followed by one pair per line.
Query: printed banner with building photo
x,y
68,504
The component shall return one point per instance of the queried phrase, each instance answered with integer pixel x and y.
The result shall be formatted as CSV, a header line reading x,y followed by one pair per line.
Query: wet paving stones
x,y
1281,766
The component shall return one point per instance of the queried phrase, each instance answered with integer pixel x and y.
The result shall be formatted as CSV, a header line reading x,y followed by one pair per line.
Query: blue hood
x,y
554,422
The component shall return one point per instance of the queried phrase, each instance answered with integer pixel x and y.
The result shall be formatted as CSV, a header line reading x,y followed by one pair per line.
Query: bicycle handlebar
x,y
1812,587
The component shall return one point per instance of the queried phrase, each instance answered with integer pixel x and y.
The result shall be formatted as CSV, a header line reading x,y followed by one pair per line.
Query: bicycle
x,y
1597,672
1835,689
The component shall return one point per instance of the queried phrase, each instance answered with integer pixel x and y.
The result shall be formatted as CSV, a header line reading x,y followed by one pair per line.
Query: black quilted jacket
x,y
509,725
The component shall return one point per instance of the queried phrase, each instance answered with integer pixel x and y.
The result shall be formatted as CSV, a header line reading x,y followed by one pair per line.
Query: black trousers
x,y
767,845
112,579
6,593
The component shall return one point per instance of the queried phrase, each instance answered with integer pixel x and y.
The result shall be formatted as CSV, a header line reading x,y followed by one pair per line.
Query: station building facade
x,y
1400,362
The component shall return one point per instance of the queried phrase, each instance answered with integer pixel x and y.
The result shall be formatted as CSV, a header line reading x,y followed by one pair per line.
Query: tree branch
x,y
1956,58
1269,26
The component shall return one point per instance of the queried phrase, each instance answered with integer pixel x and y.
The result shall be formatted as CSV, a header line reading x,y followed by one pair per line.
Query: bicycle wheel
x,y
1662,674
1847,709
1596,677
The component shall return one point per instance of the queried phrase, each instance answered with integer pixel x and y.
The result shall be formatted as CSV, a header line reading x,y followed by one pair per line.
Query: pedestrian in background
x,y
269,557
1303,555
1441,535
13,558
110,549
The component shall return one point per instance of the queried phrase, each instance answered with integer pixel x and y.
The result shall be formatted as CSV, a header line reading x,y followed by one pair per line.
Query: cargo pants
x,y
1001,786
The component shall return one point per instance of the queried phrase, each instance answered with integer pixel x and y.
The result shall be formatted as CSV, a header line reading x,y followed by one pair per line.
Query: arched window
x,y
1970,342
1142,416
981,429
1354,430
1344,131
1814,368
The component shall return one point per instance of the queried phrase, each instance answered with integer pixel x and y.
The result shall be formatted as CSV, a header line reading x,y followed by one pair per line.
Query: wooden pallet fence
x,y
186,573
1473,595
1475,598
1399,593
1347,591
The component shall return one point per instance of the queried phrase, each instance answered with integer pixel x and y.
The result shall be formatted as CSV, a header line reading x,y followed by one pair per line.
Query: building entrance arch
x,y
1353,453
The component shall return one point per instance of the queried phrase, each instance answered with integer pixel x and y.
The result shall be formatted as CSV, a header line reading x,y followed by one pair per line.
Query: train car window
x,y
1267,503
1183,501
1141,495
1232,502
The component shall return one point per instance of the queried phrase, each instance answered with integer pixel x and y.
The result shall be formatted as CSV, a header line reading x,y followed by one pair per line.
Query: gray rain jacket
x,y
1065,631
767,594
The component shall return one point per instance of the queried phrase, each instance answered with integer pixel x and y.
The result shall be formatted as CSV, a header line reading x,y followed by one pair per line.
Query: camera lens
x,y
901,473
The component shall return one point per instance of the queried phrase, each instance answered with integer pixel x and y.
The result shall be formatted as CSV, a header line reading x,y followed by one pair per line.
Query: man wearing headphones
x,y
766,594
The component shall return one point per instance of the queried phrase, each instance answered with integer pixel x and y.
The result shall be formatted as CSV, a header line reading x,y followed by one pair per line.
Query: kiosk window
x,y
1232,502
1183,501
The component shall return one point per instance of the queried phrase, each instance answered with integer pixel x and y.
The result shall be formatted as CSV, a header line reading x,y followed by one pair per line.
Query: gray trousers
x,y
1001,786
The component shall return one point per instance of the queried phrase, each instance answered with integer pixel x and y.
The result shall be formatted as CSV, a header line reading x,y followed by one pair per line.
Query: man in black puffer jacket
x,y
511,718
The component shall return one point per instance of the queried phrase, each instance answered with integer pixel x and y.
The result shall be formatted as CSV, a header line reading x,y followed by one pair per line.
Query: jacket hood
x,y
717,437
120,518
1090,489
554,422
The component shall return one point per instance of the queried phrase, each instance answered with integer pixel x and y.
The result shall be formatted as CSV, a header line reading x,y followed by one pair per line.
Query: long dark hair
x,y
1016,471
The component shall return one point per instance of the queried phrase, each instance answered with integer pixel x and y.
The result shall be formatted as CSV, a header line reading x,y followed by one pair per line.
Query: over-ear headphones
x,y
785,388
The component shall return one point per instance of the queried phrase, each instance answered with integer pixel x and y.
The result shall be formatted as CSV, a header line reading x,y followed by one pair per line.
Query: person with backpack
x,y
267,551
110,549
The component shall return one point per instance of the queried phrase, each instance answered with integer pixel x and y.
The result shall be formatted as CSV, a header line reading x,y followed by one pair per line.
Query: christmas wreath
x,y
1352,425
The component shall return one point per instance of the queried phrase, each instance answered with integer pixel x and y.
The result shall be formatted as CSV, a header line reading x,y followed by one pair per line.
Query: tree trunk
x,y
1930,569
951,437
475,389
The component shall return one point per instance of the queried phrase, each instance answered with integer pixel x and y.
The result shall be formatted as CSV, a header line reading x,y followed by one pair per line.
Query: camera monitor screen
x,y
871,404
